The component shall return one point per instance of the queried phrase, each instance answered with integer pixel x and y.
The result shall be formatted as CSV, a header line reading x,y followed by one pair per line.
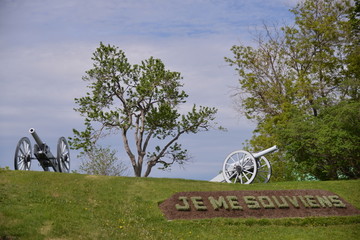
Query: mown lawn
x,y
47,205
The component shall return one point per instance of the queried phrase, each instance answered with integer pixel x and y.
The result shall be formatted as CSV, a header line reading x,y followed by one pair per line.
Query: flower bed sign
x,y
256,204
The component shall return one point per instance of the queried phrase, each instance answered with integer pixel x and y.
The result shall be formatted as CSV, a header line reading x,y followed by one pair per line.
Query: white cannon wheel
x,y
239,167
63,155
263,171
22,159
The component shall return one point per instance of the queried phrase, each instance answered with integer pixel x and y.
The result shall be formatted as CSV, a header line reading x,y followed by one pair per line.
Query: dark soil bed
x,y
256,204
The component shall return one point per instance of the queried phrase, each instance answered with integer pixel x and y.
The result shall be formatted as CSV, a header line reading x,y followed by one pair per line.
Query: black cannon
x,y
23,154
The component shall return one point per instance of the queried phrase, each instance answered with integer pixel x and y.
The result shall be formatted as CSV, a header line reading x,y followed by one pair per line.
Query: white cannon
x,y
243,167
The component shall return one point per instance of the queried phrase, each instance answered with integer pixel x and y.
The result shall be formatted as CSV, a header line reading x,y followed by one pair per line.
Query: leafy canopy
x,y
142,102
292,82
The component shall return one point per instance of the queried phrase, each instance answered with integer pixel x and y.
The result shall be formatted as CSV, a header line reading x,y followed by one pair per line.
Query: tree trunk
x,y
149,167
137,167
137,170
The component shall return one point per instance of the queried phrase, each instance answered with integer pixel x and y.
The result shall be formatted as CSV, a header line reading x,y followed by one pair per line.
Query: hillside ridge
x,y
48,205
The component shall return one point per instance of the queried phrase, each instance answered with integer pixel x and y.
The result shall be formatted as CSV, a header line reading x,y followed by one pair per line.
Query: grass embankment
x,y
47,205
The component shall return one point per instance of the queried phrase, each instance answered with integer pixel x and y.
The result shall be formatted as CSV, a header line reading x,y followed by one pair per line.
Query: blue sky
x,y
46,47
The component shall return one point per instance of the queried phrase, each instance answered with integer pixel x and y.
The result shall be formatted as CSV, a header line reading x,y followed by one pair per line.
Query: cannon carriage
x,y
244,167
23,154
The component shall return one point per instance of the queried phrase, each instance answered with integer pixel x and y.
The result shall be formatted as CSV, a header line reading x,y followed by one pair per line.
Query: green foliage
x,y
353,58
138,100
78,206
292,81
326,146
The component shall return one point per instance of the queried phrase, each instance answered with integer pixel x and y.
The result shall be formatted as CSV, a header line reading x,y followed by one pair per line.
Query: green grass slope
x,y
47,205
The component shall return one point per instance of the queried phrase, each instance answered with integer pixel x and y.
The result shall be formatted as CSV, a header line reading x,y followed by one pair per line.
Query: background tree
x,y
292,83
102,161
142,103
325,146
353,58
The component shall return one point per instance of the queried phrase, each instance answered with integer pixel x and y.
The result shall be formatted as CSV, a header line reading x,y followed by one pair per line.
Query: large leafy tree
x,y
353,58
141,102
294,76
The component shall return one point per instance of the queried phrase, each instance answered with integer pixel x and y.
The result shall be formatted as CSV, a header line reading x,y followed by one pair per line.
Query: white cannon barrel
x,y
266,151
36,137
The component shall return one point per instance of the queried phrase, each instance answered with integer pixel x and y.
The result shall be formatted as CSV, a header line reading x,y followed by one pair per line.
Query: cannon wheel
x,y
22,159
63,155
264,171
239,167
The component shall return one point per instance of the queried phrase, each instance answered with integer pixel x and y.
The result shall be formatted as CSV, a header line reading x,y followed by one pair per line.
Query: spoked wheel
x,y
22,159
63,155
239,167
264,170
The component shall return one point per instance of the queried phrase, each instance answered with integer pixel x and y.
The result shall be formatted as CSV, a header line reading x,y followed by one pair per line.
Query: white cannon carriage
x,y
243,167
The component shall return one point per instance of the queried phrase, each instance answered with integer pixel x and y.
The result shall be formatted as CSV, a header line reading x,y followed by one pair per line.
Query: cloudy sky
x,y
46,46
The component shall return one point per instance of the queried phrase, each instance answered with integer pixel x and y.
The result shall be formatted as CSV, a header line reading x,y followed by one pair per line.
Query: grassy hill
x,y
47,205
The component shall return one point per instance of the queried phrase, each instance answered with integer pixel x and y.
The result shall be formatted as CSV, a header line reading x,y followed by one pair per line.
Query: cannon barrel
x,y
266,151
36,137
